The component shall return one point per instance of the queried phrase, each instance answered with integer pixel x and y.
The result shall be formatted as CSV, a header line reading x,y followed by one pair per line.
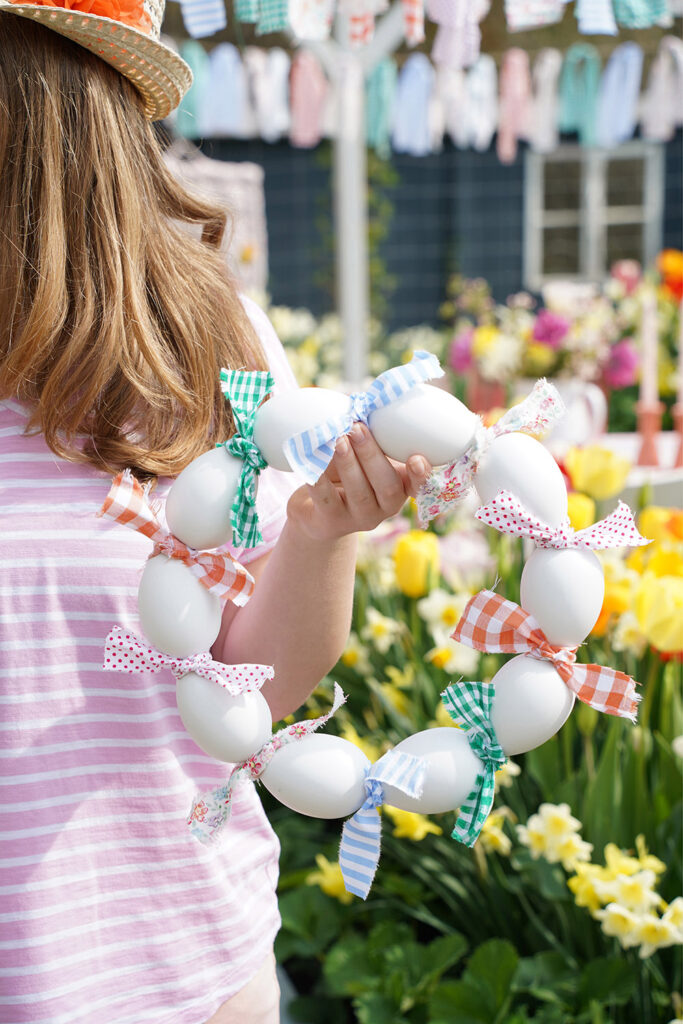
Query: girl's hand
x,y
360,488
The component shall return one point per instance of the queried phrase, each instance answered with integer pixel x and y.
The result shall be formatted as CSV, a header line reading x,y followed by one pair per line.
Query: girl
x,y
114,324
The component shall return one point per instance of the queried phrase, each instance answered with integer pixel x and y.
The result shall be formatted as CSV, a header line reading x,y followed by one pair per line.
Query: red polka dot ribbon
x,y
128,503
490,623
125,652
507,515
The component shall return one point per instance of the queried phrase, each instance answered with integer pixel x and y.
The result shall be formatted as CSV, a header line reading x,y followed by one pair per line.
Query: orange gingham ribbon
x,y
490,623
128,503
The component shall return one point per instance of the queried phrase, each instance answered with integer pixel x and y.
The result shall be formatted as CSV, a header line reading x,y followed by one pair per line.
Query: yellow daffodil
x,y
597,471
635,892
483,340
666,560
581,510
619,922
538,358
658,605
355,655
628,636
655,933
370,749
553,834
453,657
572,850
329,878
617,862
410,825
648,860
661,524
505,775
674,915
492,838
442,718
380,630
416,561
582,885
401,678
396,698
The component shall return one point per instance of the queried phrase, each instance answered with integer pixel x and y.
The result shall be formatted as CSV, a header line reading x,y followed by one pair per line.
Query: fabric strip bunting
x,y
211,812
490,623
125,652
451,483
128,503
507,514
469,705
245,391
312,450
361,835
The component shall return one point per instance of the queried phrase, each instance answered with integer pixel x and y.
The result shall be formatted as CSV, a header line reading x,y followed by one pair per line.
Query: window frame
x,y
593,215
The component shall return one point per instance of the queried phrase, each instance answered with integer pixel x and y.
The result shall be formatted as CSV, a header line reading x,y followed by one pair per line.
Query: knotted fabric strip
x,y
128,503
507,515
125,652
311,451
245,391
490,623
532,416
211,812
361,835
469,705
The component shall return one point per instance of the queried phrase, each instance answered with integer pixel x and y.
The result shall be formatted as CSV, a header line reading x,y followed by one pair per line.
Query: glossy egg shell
x,y
225,727
199,502
564,591
520,464
451,773
531,703
289,413
321,776
425,421
178,615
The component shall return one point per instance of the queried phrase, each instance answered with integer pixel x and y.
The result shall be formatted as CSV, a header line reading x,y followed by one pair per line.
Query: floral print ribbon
x,y
469,705
361,835
491,623
245,391
211,812
125,652
311,451
451,483
507,514
128,503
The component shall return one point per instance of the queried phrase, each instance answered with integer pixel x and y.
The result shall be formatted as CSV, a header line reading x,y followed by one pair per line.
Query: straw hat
x,y
125,34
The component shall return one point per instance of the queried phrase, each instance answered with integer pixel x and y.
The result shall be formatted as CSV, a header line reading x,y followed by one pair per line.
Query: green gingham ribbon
x,y
469,705
245,391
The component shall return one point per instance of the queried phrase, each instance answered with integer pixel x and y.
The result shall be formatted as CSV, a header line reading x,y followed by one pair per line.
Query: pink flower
x,y
622,365
628,273
550,328
460,352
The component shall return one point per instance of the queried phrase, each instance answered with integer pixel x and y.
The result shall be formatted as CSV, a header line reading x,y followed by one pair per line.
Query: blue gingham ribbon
x,y
311,451
469,705
360,841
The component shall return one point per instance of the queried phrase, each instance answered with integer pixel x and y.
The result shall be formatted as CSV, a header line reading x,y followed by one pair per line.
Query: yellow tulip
x,y
661,524
581,510
597,471
658,605
416,560
666,560
616,601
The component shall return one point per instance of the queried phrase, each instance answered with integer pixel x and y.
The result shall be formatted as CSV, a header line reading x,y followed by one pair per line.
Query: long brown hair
x,y
114,321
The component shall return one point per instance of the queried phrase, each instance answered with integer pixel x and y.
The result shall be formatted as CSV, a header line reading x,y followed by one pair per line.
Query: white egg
x,y
321,776
199,502
563,590
452,770
178,615
289,413
520,464
225,727
425,421
530,705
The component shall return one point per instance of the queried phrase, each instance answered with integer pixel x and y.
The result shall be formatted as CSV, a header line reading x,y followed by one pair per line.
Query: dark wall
x,y
457,210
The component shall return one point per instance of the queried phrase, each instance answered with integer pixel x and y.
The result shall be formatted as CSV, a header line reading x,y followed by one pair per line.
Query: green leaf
x,y
548,977
609,980
349,970
605,790
444,953
373,1008
492,967
310,921
458,1001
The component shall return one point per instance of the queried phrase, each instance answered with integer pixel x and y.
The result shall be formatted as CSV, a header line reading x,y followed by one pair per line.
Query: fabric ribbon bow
x,y
125,652
311,451
211,812
360,841
532,416
491,623
507,514
245,391
469,705
128,503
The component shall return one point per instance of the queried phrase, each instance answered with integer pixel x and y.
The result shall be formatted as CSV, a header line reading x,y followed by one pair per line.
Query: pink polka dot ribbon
x,y
451,483
507,515
125,652
211,812
128,503
490,623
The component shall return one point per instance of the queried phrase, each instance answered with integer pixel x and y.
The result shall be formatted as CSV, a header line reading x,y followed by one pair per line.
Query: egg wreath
x,y
184,584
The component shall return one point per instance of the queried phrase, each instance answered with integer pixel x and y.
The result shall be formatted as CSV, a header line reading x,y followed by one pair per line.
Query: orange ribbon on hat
x,y
128,12
128,503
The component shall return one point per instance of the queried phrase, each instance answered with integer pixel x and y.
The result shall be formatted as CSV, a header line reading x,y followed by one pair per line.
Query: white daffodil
x,y
380,630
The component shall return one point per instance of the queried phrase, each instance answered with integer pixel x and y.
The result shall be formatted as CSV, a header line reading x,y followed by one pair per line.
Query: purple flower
x,y
460,352
622,365
550,328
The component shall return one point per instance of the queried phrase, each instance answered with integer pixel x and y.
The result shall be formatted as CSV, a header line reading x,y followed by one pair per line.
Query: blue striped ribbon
x,y
311,451
361,835
203,17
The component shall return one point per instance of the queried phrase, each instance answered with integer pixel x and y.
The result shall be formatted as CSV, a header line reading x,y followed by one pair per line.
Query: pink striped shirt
x,y
109,909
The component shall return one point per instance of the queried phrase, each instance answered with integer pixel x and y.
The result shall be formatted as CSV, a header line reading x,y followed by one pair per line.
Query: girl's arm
x,y
299,616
